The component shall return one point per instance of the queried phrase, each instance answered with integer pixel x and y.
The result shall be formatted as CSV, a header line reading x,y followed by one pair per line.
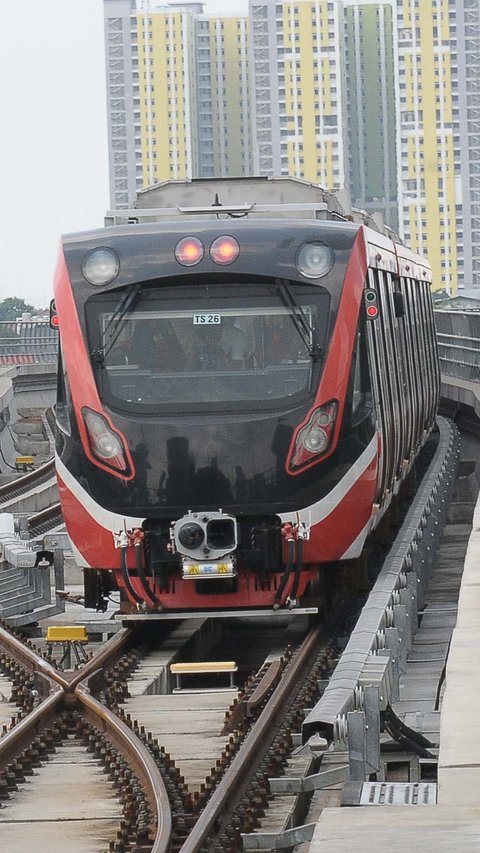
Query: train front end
x,y
215,434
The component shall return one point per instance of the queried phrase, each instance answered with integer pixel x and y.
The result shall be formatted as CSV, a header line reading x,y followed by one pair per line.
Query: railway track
x,y
260,730
44,521
147,814
73,696
27,482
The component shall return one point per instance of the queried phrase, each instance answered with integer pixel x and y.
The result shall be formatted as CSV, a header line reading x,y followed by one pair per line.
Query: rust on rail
x,y
69,692
139,760
29,659
246,704
23,733
254,747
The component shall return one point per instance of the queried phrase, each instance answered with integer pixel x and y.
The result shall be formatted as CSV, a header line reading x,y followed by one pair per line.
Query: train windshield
x,y
204,346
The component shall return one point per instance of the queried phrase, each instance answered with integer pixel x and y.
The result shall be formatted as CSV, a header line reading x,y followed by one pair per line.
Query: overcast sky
x,y
53,140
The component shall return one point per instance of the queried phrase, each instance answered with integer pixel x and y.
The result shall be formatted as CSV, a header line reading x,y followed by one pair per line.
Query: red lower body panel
x,y
330,538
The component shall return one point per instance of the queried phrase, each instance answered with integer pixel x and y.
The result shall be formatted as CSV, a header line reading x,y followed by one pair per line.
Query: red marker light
x,y
371,303
189,251
53,319
224,250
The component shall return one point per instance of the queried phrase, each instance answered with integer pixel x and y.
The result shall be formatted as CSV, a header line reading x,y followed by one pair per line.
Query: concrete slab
x,y
220,700
68,804
426,829
188,726
459,756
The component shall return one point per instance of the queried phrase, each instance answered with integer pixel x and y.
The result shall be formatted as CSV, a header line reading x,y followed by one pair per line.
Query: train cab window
x,y
208,345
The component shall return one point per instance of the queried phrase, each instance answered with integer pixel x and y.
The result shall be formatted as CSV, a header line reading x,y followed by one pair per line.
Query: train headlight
x,y
314,438
107,445
315,260
191,536
104,443
100,266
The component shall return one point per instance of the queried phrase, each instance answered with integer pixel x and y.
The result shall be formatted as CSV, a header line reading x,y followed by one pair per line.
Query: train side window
x,y
413,357
360,383
382,390
64,401
407,370
430,349
399,304
419,334
387,325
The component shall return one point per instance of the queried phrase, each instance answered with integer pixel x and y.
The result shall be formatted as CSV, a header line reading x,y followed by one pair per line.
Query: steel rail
x,y
33,478
254,747
23,733
29,659
51,517
35,663
269,680
69,692
111,650
246,704
140,761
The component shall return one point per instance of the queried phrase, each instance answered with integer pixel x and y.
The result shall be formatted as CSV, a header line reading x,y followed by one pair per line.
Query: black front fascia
x,y
233,462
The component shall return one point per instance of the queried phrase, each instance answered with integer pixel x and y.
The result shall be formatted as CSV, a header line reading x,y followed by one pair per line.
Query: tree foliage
x,y
13,307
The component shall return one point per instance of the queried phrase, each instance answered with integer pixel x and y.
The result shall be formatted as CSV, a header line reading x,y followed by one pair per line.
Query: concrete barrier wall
x,y
8,416
458,336
465,325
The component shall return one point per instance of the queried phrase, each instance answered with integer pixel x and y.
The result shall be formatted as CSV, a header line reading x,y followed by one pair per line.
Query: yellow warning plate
x,y
213,569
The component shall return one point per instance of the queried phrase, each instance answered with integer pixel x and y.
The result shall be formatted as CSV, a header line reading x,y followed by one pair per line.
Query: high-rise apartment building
x,y
123,101
428,151
163,46
297,90
468,34
360,96
369,103
223,128
178,94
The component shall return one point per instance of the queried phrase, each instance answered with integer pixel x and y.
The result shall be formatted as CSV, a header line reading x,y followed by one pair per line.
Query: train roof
x,y
262,197
170,221
235,191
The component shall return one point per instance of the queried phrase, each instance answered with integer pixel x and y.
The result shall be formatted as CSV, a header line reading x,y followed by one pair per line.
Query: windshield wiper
x,y
125,303
300,320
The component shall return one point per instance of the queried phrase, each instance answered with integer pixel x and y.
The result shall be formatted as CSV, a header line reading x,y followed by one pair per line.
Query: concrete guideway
x,y
453,824
459,758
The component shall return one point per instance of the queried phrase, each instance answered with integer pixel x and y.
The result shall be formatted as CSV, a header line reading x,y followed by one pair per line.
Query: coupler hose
x,y
126,577
298,568
137,544
287,572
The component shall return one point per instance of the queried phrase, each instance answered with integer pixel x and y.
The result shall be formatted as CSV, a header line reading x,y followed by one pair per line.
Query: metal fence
x,y
458,336
27,342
